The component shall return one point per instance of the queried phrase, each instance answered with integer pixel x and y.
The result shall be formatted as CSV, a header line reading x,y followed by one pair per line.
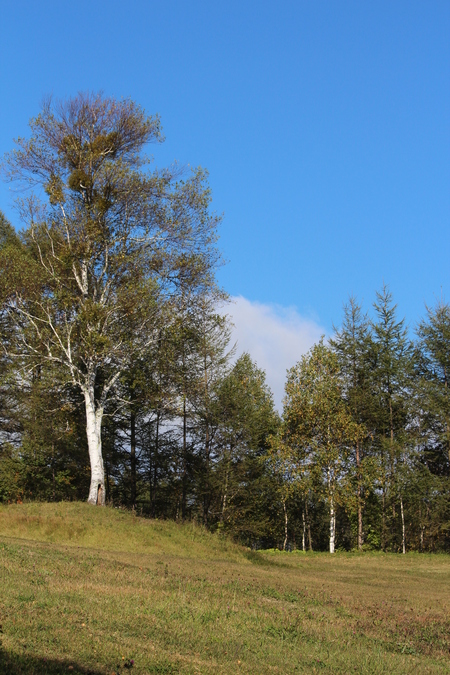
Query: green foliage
x,y
12,468
108,298
434,372
111,246
247,419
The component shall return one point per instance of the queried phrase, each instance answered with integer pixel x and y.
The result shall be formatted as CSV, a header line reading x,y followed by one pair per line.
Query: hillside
x,y
108,529
100,591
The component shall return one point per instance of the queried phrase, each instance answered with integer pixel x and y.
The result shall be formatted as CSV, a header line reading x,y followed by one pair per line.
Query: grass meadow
x,y
101,591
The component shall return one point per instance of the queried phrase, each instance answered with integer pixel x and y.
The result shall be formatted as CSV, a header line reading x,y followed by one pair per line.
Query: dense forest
x,y
119,383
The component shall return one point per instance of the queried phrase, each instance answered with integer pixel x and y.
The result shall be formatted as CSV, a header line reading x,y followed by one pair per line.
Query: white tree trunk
x,y
304,532
94,437
225,496
285,525
332,524
403,526
332,511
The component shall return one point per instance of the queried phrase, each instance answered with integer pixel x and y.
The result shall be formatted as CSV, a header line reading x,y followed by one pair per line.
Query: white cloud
x,y
275,337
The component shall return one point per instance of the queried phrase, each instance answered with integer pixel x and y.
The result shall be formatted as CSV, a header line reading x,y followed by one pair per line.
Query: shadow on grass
x,y
15,664
283,560
257,559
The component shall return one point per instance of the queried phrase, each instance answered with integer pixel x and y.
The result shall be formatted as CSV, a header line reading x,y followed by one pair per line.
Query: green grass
x,y
108,529
88,590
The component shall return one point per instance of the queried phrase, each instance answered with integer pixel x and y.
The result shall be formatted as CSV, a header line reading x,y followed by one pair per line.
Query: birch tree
x,y
317,424
110,239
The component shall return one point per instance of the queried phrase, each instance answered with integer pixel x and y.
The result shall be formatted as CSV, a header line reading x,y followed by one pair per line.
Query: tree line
x,y
365,433
118,380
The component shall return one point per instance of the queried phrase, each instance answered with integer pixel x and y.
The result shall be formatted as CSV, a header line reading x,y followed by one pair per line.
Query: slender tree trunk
x,y
206,496
285,525
383,505
403,526
53,471
133,458
421,528
97,494
154,477
447,426
303,532
225,494
360,524
309,526
393,491
206,488
184,480
332,524
107,484
332,512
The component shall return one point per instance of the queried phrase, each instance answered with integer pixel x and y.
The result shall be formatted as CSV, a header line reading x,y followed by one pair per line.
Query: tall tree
x,y
391,380
207,368
434,337
111,241
432,397
246,418
317,425
18,274
352,344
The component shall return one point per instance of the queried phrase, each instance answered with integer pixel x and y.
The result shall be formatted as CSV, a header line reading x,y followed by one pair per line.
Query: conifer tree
x,y
391,381
210,365
352,344
431,479
434,336
246,418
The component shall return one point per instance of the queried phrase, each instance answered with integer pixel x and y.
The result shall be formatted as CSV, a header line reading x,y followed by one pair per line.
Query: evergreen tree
x,y
352,344
209,365
434,336
246,418
431,486
391,375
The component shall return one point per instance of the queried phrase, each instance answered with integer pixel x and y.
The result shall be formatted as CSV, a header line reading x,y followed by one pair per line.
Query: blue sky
x,y
325,127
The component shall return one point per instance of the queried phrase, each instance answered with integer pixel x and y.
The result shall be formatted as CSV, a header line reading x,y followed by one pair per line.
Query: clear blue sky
x,y
325,127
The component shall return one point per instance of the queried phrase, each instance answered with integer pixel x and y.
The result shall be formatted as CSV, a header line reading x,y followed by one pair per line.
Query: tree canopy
x,y
116,347
110,242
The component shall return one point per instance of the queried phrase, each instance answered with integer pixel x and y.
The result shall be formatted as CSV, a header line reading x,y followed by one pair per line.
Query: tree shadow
x,y
24,664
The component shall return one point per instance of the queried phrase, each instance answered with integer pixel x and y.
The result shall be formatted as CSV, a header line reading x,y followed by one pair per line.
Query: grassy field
x,y
87,590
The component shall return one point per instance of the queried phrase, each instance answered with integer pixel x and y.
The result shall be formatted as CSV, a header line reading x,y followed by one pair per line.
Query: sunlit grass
x,y
96,590
110,529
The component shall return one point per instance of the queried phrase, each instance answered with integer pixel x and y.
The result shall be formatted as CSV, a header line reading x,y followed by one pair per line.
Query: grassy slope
x,y
87,590
78,524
